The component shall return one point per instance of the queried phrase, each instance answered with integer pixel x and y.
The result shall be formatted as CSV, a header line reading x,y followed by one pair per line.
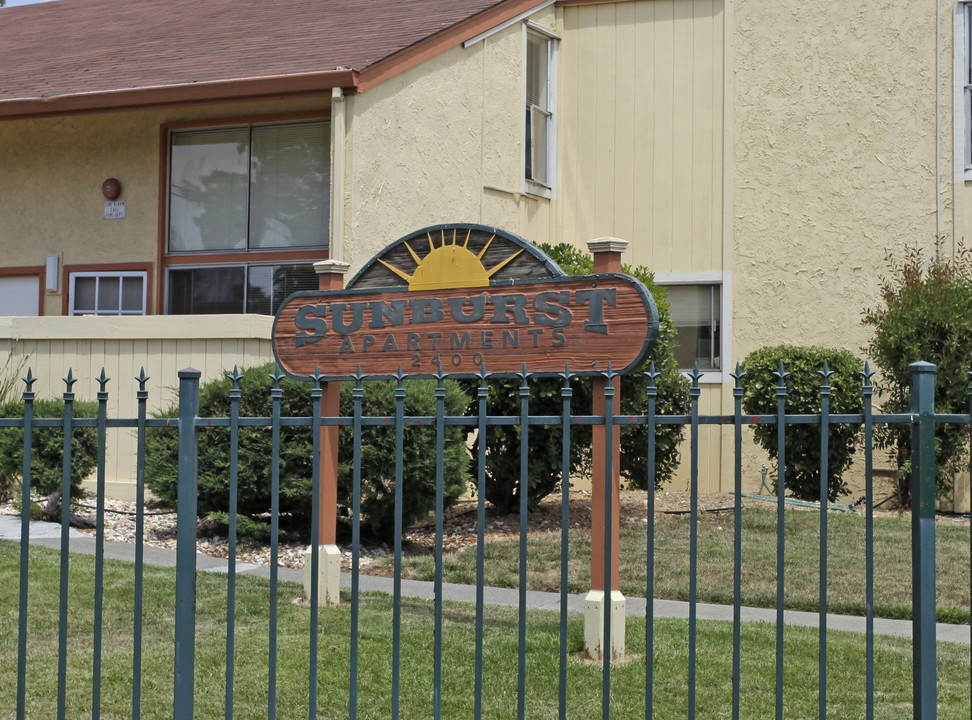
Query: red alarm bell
x,y
111,189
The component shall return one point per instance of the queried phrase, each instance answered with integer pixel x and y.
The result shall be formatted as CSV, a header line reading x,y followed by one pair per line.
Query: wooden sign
x,y
455,316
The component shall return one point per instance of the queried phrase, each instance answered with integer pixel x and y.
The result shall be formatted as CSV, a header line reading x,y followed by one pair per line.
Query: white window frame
x,y
962,92
99,275
722,279
531,186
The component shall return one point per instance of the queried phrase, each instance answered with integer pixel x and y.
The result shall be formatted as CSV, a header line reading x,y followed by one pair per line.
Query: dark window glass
x,y
206,291
257,289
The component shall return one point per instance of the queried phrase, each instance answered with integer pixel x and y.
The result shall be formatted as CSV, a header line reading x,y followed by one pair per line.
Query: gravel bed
x,y
459,529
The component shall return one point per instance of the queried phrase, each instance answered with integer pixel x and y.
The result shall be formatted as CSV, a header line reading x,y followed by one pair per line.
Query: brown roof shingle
x,y
82,55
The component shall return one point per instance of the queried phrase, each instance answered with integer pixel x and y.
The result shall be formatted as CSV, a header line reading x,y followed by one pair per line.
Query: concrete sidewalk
x,y
48,535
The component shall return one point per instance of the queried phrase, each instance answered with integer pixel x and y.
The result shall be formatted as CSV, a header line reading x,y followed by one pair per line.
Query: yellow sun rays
x,y
449,265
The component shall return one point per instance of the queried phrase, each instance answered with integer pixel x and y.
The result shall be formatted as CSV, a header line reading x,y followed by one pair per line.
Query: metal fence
x,y
186,668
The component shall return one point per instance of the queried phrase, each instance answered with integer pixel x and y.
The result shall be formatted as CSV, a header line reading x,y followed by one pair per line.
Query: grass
x,y
583,689
845,562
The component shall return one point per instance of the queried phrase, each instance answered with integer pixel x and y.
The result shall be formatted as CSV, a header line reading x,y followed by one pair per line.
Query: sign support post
x,y
607,259
456,299
330,276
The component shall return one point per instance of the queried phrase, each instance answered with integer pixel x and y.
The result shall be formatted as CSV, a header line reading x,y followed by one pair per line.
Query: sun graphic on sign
x,y
449,265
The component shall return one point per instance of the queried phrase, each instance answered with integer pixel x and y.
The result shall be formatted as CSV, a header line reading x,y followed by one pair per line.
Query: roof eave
x,y
442,40
241,89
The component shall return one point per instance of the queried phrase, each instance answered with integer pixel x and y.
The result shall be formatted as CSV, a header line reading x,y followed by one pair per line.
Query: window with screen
x,y
108,293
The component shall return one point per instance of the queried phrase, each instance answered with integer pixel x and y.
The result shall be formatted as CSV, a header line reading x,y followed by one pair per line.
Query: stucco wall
x,y
455,128
54,204
834,162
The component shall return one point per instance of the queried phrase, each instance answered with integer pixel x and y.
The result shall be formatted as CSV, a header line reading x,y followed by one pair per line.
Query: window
x,y
538,155
251,187
255,199
107,293
963,90
697,306
19,295
236,289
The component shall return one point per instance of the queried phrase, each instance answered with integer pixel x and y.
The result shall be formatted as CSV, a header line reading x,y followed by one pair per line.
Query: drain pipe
x,y
338,134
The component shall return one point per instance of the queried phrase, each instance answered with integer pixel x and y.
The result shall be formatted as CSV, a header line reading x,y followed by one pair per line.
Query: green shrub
x,y
544,468
47,446
255,455
926,314
803,398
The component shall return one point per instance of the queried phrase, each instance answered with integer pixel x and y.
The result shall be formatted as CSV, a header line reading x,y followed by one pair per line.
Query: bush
x,y
47,445
544,469
255,458
803,398
926,314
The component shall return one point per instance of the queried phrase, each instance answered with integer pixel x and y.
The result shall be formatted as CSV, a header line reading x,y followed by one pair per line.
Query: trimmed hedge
x,y
47,446
803,398
255,456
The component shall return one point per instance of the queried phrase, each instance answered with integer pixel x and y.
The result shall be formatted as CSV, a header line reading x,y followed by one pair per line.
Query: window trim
x,y
100,274
724,280
962,92
106,269
528,185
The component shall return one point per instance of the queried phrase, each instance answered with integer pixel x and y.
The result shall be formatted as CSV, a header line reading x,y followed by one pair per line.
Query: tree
x,y
925,314
544,467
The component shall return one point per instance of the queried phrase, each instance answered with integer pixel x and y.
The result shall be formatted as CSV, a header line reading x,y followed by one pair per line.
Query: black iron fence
x,y
395,663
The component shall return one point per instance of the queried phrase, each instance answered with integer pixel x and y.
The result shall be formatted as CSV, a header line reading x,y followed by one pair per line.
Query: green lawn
x,y
846,657
845,576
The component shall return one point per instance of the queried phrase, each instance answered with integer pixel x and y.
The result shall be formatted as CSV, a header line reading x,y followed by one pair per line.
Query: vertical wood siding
x,y
212,345
641,100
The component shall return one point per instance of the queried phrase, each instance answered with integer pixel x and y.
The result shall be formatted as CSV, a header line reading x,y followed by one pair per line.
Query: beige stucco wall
x,y
55,206
833,161
455,124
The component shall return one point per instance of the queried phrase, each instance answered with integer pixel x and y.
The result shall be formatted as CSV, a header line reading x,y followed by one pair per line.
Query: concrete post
x,y
605,478
330,276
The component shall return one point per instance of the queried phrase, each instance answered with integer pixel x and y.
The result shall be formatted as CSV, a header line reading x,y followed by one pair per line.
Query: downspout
x,y
338,135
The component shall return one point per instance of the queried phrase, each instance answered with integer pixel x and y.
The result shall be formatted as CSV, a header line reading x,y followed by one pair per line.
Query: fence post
x,y
185,612
923,540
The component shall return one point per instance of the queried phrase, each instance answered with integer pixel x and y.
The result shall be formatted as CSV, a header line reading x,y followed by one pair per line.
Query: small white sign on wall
x,y
114,209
